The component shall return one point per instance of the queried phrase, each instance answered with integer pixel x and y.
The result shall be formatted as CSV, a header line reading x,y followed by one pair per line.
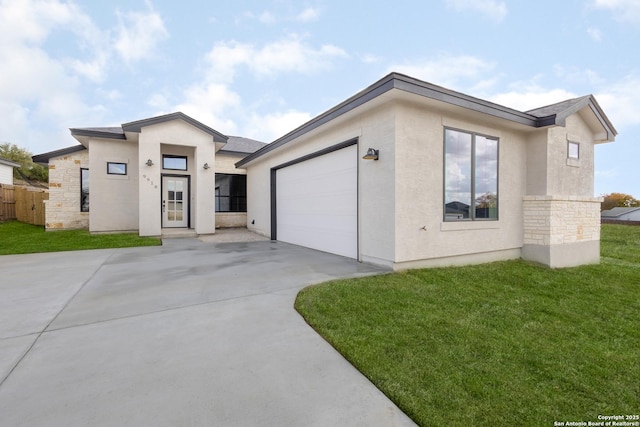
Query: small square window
x,y
573,151
116,168
178,163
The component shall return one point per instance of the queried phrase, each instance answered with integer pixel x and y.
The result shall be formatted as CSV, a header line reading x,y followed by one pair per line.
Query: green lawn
x,y
507,343
19,238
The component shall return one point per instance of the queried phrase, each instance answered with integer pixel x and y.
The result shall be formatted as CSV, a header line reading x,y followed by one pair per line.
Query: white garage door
x,y
317,203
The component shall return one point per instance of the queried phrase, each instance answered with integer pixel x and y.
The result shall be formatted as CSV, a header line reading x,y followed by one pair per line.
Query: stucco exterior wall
x,y
179,138
422,236
570,177
114,198
6,174
62,210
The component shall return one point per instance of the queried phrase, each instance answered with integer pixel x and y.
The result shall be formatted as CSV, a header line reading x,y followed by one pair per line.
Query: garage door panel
x,y
317,205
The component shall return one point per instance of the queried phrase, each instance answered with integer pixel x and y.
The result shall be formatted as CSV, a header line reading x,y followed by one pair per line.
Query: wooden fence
x,y
23,204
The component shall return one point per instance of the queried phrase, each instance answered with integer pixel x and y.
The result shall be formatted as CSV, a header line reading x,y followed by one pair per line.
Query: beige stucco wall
x,y
421,233
180,138
114,198
62,210
569,177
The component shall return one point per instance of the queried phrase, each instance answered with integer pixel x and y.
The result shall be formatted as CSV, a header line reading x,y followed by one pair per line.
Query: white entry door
x,y
175,201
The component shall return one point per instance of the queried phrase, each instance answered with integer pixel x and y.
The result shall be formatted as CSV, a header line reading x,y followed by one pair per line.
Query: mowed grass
x,y
19,238
507,343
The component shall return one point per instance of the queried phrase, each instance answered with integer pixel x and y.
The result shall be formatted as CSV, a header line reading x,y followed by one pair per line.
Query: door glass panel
x,y
178,195
179,186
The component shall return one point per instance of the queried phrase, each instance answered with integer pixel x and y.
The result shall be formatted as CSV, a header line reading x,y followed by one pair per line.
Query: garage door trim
x,y
331,149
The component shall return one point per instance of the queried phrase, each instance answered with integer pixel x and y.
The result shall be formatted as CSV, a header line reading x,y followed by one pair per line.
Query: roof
x,y
618,211
238,144
555,114
9,163
44,157
136,126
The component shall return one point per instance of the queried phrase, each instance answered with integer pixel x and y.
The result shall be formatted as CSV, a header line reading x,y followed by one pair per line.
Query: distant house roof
x,y
9,163
44,157
617,212
555,114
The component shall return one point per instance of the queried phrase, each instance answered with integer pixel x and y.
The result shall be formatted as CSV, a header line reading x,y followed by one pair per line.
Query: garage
x,y
316,201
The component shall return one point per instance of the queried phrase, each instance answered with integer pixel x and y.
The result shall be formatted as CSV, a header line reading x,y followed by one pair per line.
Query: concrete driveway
x,y
187,334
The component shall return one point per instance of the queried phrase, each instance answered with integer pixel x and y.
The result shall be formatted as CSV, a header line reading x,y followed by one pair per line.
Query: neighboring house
x,y
622,214
164,172
457,179
403,174
6,171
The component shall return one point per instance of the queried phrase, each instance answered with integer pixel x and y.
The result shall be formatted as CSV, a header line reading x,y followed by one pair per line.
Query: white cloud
x,y
623,10
447,70
495,10
268,127
595,34
211,103
287,55
621,101
308,15
139,34
528,97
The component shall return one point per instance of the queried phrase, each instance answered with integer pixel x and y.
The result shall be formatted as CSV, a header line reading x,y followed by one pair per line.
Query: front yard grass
x,y
506,343
19,238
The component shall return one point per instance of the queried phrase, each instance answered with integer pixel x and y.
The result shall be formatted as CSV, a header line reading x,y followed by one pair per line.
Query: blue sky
x,y
260,68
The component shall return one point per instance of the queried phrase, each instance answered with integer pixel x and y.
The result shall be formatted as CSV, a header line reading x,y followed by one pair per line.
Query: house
x,y
409,174
153,174
621,214
403,174
6,171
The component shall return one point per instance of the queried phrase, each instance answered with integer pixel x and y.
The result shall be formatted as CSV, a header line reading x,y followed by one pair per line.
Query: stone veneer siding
x,y
63,206
567,223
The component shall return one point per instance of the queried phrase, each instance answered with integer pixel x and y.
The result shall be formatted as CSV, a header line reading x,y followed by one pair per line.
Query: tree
x,y
618,199
27,169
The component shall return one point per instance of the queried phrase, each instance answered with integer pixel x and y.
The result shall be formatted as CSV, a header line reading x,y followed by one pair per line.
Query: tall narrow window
x,y
84,190
470,176
231,193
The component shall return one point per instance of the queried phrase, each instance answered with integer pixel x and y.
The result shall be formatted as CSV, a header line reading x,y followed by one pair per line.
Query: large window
x,y
470,176
84,190
231,193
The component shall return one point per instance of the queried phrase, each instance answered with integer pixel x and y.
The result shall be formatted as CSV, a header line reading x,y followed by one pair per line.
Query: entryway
x,y
175,201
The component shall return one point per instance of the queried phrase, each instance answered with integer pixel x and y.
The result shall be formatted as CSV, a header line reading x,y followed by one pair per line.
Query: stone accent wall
x,y
63,206
558,220
231,219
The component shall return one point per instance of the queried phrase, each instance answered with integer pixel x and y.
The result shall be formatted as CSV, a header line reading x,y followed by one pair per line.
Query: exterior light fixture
x,y
206,166
149,163
372,154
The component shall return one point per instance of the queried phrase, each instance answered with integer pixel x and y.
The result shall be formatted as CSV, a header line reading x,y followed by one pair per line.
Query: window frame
x,y
473,178
109,172
241,200
84,195
573,144
173,156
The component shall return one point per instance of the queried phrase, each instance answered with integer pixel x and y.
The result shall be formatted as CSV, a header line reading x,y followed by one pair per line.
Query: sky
x,y
259,69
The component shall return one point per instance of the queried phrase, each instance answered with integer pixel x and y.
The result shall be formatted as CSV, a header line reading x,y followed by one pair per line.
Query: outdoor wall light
x,y
149,163
372,154
206,166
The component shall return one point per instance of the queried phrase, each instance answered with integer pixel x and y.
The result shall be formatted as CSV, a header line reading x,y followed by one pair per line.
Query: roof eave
x,y
407,84
137,125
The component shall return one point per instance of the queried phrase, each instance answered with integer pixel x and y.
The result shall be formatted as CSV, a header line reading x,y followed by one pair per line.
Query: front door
x,y
175,201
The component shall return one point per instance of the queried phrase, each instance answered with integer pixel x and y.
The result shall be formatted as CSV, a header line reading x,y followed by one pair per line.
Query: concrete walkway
x,y
187,334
